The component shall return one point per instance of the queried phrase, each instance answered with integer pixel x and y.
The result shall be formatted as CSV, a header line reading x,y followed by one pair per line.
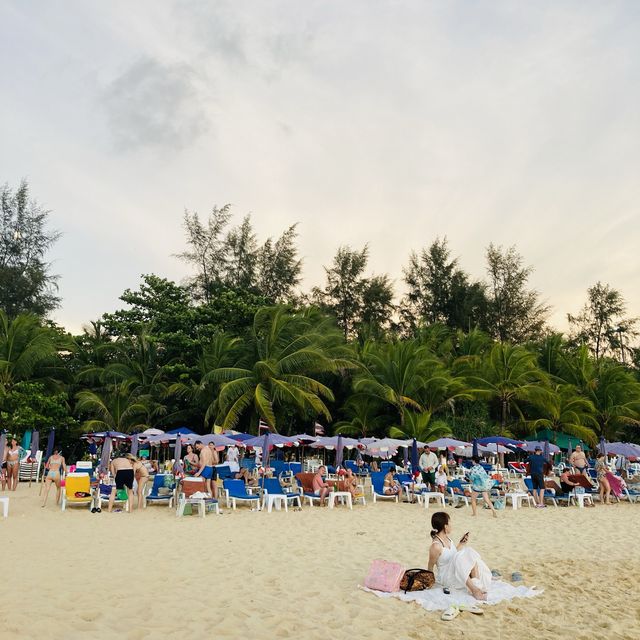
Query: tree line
x,y
239,342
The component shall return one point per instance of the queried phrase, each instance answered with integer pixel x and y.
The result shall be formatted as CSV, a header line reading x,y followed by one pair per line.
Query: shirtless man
x,y
320,487
55,467
579,461
206,466
122,470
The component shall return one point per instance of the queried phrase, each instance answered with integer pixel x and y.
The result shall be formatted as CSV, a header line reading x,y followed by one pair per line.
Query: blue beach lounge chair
x,y
273,491
162,490
235,491
377,486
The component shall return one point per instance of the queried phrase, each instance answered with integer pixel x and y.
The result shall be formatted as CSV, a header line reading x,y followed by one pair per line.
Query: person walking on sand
x,y
12,456
481,484
206,466
122,470
55,467
604,486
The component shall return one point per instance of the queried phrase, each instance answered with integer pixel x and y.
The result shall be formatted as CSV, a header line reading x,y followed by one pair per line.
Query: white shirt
x,y
428,460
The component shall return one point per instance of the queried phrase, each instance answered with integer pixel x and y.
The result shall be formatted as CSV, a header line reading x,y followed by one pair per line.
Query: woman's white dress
x,y
455,566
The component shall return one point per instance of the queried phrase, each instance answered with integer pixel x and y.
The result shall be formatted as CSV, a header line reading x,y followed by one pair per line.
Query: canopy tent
x,y
559,438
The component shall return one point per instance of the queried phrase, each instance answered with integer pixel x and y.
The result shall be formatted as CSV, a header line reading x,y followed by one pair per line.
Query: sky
x,y
389,122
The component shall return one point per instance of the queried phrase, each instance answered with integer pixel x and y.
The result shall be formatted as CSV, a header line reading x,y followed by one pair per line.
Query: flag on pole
x,y
262,426
318,429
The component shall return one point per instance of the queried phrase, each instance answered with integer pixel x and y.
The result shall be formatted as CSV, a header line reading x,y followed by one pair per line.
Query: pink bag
x,y
384,576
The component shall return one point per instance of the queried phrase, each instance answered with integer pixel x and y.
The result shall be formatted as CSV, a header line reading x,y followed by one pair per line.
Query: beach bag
x,y
417,580
122,494
384,576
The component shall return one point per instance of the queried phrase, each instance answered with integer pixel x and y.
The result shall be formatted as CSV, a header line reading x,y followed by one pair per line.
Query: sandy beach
x,y
295,575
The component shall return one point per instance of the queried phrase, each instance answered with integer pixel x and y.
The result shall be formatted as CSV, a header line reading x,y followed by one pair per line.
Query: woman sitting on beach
x,y
350,483
391,485
191,462
55,467
458,566
601,471
244,475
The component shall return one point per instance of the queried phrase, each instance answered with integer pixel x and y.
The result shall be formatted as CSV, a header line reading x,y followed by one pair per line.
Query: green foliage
x,y
26,284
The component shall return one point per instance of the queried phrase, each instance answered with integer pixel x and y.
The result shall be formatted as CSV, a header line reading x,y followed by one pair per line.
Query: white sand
x,y
257,575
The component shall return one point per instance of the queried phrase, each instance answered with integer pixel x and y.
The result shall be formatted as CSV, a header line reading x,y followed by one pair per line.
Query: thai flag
x,y
262,426
318,429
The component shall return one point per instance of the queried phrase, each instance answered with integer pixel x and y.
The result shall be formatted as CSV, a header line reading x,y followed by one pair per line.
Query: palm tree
x,y
284,359
363,417
509,375
564,409
26,350
419,426
117,409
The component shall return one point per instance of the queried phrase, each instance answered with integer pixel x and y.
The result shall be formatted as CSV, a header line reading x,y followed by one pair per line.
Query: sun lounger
x,y
377,487
162,483
456,492
549,494
77,483
305,479
104,493
274,494
189,487
235,492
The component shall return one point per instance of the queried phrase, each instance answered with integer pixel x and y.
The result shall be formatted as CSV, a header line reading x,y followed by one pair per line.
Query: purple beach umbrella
x,y
415,458
3,444
35,444
50,443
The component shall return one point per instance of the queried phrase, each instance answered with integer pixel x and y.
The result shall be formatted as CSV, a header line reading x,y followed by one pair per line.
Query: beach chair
x,y
224,471
189,487
549,494
456,492
632,495
162,483
517,468
274,494
235,491
77,483
305,479
104,493
377,487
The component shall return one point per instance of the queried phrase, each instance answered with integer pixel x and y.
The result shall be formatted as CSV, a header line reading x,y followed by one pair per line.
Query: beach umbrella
x,y
264,446
35,444
603,445
339,451
415,458
545,450
218,440
405,456
50,442
530,446
177,463
626,449
134,444
445,443
103,467
569,449
275,440
475,453
181,431
3,445
332,443
26,440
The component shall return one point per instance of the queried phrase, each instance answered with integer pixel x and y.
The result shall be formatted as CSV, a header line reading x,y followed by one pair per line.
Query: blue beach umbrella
x,y
415,458
35,443
177,463
50,442
475,453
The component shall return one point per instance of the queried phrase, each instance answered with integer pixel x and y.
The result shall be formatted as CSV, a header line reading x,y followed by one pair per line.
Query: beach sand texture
x,y
261,576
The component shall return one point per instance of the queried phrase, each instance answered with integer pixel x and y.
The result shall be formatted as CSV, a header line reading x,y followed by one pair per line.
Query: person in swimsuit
x,y
141,475
13,465
244,475
458,566
320,487
350,484
601,471
578,461
122,470
191,461
391,486
206,468
56,467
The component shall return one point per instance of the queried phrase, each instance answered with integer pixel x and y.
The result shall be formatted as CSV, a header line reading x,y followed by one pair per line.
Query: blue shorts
x,y
208,473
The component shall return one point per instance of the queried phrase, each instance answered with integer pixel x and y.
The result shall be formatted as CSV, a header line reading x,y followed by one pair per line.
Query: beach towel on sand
x,y
435,599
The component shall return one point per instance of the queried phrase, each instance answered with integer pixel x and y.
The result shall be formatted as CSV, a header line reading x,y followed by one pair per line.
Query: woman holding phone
x,y
459,566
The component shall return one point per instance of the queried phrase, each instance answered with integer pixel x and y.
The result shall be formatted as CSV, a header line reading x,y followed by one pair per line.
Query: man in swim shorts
x,y
320,487
578,461
206,469
122,470
536,468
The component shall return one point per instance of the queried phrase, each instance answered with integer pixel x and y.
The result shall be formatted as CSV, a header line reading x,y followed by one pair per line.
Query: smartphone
x,y
465,537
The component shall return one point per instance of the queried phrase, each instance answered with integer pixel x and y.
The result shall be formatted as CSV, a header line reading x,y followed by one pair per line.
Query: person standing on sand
x,y
537,463
215,459
206,465
141,475
428,464
55,467
12,456
578,460
122,470
481,483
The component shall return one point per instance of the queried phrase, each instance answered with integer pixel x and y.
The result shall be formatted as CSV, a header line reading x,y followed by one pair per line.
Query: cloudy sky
x,y
387,122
